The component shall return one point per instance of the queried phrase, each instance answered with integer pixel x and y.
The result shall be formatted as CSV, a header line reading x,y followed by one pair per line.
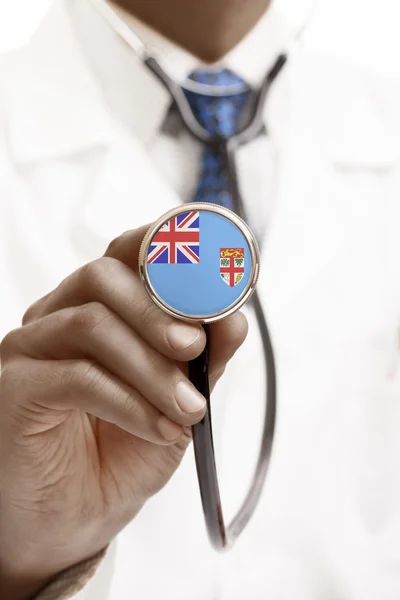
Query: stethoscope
x,y
222,536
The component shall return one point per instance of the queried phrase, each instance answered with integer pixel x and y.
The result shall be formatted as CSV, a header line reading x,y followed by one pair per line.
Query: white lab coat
x,y
328,526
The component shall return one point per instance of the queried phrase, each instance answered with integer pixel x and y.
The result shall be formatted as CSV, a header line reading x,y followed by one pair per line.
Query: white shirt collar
x,y
136,96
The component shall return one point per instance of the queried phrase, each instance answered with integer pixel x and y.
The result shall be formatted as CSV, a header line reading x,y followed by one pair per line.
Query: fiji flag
x,y
199,263
177,241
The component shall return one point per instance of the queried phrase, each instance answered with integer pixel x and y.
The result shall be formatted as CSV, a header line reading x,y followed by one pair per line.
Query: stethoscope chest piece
x,y
199,262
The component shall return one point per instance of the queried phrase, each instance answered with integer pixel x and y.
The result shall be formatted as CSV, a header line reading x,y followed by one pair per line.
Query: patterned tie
x,y
219,115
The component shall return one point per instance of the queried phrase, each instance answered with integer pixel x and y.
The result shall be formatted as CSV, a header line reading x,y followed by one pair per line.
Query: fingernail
x,y
188,398
180,336
169,430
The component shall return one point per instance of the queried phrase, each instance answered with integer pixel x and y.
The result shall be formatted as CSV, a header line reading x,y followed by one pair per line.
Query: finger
x,y
126,247
110,282
93,331
226,337
38,386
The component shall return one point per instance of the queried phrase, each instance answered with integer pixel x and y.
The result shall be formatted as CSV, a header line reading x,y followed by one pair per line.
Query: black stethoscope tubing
x,y
222,536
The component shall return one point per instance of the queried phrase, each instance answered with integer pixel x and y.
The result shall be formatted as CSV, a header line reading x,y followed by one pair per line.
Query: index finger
x,y
126,247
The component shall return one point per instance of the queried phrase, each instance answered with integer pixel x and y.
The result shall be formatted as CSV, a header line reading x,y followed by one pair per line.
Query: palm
x,y
138,467
111,467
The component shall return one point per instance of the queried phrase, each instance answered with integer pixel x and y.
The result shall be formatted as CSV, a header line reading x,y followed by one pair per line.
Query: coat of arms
x,y
231,265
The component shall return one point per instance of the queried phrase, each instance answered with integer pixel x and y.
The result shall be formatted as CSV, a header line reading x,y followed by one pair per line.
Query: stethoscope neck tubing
x,y
251,130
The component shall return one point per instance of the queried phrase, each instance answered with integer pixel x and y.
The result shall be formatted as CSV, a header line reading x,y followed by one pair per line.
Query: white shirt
x,y
83,157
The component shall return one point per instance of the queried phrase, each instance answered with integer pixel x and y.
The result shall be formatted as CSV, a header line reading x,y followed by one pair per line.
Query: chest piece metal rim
x,y
254,255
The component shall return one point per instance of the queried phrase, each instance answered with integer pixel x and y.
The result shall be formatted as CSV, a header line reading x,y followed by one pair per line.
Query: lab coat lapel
x,y
57,115
125,191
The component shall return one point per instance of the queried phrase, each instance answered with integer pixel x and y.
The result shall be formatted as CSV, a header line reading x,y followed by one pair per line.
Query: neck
x,y
208,29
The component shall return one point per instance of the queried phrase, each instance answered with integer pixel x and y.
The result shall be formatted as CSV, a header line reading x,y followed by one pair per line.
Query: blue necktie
x,y
221,116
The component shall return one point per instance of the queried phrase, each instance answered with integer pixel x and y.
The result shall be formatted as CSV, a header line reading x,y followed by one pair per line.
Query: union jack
x,y
177,241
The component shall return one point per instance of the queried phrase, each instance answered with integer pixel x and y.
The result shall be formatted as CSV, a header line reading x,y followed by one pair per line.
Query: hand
x,y
95,413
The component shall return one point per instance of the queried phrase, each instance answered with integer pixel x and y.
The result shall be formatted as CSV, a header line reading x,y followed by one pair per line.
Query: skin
x,y
95,415
208,29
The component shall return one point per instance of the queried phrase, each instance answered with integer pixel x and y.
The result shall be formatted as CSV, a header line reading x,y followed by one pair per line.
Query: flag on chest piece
x,y
177,241
199,263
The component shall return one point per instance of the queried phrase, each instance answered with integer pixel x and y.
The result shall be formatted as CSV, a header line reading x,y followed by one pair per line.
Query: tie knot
x,y
221,109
